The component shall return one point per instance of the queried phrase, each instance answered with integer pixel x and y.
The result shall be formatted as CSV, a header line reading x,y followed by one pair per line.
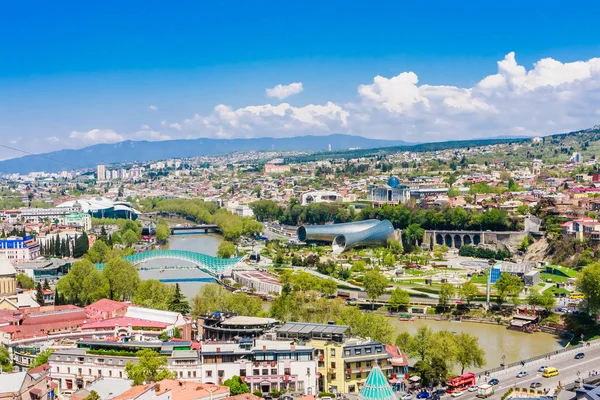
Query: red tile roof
x,y
124,321
105,305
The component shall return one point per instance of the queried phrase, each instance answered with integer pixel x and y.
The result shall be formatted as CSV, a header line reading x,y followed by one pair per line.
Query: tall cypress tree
x,y
39,294
178,302
46,284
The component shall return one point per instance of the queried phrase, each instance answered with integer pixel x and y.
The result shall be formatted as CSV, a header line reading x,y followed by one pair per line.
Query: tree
x,y
93,396
151,367
5,360
588,282
211,298
81,246
375,285
417,346
98,252
25,282
326,287
508,285
129,238
453,192
42,358
468,291
547,300
236,386
123,279
413,233
399,298
46,284
83,284
162,232
153,294
177,302
447,292
226,250
39,294
469,353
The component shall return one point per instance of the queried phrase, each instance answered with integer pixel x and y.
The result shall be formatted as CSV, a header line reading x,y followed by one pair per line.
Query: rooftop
x,y
243,320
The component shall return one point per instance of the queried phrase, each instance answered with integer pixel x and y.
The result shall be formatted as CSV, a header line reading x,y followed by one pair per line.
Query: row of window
x,y
359,351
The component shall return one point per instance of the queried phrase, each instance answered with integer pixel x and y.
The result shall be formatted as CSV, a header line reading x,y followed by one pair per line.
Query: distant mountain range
x,y
141,151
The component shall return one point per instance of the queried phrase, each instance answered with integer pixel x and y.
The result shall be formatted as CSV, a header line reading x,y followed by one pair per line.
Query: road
x,y
566,364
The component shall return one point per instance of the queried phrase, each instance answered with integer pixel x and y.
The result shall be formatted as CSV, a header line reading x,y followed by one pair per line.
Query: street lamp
x,y
503,360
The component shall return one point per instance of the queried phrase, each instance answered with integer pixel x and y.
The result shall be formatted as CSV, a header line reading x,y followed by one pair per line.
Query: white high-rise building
x,y
100,172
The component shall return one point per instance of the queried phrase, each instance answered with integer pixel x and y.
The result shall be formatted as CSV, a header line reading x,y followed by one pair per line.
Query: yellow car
x,y
550,372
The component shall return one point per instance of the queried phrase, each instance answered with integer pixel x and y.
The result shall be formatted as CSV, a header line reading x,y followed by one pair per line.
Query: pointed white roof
x,y
6,267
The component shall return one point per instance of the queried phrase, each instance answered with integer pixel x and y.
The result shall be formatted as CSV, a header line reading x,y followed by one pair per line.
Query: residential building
x,y
320,196
170,389
24,385
8,284
100,173
272,169
18,249
261,282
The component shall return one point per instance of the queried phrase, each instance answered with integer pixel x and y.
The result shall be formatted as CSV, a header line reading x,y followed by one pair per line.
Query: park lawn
x,y
554,278
479,279
571,273
414,272
559,290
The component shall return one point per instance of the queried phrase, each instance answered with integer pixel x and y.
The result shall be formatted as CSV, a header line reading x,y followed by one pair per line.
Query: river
x,y
206,243
496,340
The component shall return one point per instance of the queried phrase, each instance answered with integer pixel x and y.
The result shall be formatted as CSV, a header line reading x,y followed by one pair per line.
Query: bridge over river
x,y
214,266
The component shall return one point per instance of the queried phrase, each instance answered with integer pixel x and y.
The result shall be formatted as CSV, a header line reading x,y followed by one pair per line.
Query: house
x,y
170,389
24,385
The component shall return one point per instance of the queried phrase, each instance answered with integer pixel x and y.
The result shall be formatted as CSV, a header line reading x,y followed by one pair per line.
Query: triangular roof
x,y
376,387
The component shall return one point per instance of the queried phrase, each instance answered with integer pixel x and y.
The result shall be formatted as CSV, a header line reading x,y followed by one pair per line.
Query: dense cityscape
x,y
299,201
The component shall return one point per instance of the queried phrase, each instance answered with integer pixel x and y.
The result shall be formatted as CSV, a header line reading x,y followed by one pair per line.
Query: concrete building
x,y
8,284
100,173
385,194
272,169
228,327
24,385
320,196
262,282
18,249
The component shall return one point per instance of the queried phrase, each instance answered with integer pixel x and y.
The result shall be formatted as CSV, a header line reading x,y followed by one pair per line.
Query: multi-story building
x,y
276,169
18,249
381,195
100,173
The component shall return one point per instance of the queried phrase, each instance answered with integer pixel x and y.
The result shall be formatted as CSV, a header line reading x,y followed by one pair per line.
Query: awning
x,y
414,378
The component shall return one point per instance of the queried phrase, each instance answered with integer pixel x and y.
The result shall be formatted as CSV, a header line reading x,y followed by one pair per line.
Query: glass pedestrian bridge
x,y
212,265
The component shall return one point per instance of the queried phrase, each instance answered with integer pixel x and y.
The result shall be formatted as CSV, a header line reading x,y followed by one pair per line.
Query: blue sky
x,y
76,73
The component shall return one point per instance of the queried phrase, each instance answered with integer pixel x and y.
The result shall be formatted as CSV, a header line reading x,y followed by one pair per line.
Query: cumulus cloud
x,y
153,108
282,91
150,135
549,97
53,139
97,136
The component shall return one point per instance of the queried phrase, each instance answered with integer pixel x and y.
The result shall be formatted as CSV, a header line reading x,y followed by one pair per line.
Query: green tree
x,y
129,238
151,367
42,358
399,298
39,294
326,287
83,284
211,298
236,386
46,284
453,192
5,360
447,292
375,284
178,303
153,294
81,245
469,353
97,254
226,250
508,286
468,291
547,300
93,396
162,232
417,346
25,282
123,279
588,282
413,234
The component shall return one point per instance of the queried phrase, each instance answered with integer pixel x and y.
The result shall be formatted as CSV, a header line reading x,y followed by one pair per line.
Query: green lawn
x,y
554,278
414,272
568,272
559,291
479,279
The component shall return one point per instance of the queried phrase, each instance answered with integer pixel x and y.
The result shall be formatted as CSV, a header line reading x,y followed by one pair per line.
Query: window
x,y
273,371
209,374
347,353
287,371
58,370
194,374
357,352
89,371
99,372
378,349
242,372
358,376
110,373
68,370
255,372
333,376
368,364
120,374
332,352
358,365
79,372
368,350
101,360
221,373
307,371
265,371
189,374
333,365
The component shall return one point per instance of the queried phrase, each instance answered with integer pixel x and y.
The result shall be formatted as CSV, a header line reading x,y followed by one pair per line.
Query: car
x,y
457,393
423,395
493,382
406,396
439,392
579,356
535,385
473,388
521,374
542,368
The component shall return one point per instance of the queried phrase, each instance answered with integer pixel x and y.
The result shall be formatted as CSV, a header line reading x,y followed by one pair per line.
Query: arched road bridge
x,y
213,266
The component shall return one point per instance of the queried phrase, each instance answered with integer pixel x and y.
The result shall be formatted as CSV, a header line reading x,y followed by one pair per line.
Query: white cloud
x,y
153,108
97,136
150,135
549,97
175,125
53,139
145,126
283,91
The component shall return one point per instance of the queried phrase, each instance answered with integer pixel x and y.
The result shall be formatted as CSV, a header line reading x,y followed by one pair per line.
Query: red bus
x,y
459,383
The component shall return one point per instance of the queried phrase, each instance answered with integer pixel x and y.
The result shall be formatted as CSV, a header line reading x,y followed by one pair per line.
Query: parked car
x,y
535,385
579,356
473,388
457,394
423,395
521,374
493,382
439,392
406,396
542,368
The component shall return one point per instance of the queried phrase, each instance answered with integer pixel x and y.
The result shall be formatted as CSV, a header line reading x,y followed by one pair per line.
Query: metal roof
x,y
307,328
376,387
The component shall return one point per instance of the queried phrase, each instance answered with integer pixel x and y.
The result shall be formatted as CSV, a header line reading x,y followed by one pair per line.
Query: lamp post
x,y
503,361
579,380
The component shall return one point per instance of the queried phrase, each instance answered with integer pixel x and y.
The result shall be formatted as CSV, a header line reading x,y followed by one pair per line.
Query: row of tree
x,y
65,247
